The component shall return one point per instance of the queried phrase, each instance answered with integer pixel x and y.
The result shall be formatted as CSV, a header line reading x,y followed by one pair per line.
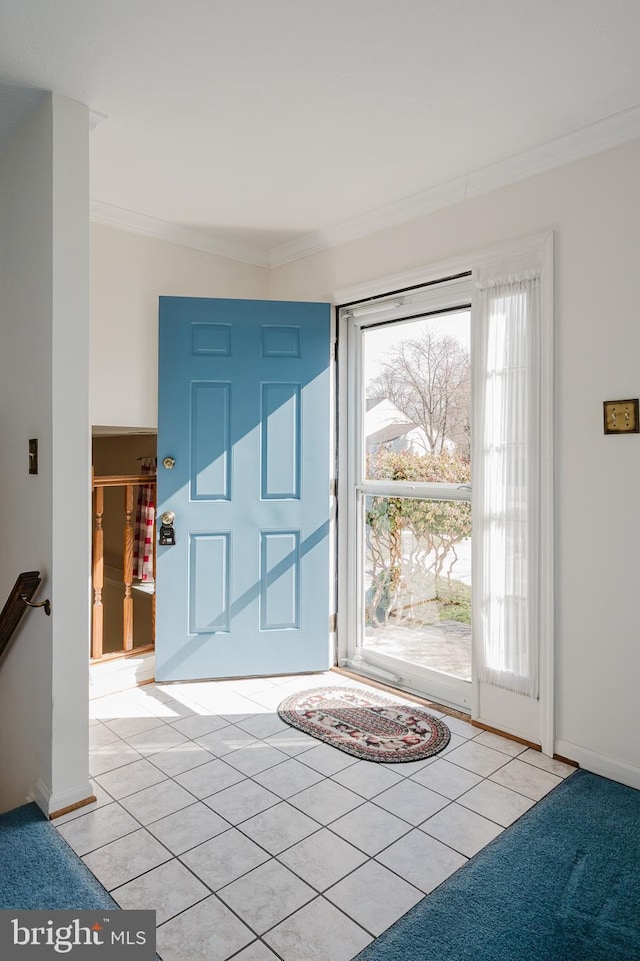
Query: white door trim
x,y
542,245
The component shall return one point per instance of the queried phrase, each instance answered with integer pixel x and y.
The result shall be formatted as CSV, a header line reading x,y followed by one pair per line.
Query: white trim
x,y
344,532
349,596
595,138
421,490
50,803
95,118
471,260
441,296
353,489
605,134
476,553
120,674
546,506
538,718
449,691
334,542
351,605
206,240
601,764
409,208
360,666
40,794
507,711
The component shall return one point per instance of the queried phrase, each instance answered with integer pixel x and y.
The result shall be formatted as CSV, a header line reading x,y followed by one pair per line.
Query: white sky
x,y
378,341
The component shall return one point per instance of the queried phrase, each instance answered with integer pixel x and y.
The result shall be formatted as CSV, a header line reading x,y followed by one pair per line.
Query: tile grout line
x,y
323,779
272,857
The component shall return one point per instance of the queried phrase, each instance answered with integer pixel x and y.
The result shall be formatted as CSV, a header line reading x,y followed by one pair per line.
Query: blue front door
x,y
244,413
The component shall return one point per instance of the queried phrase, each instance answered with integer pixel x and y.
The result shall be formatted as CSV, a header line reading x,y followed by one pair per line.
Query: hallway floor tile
x,y
255,842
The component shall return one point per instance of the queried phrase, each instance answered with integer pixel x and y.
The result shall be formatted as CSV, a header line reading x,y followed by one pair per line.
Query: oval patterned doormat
x,y
367,725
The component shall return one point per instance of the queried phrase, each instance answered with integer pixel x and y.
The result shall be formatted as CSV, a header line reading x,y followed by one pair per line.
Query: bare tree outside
x,y
417,587
428,380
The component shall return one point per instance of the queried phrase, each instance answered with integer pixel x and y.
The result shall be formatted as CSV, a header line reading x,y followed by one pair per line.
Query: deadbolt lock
x,y
167,535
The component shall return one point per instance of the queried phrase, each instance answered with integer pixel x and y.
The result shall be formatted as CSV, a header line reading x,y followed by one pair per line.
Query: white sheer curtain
x,y
506,483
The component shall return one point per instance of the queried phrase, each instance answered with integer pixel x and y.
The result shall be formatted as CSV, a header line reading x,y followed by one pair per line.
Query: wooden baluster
x,y
127,604
98,575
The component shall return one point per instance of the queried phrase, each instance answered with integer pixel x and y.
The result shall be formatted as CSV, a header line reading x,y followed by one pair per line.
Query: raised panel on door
x,y
244,411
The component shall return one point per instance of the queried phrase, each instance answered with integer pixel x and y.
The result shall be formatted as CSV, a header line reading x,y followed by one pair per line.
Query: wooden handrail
x,y
25,587
121,480
128,482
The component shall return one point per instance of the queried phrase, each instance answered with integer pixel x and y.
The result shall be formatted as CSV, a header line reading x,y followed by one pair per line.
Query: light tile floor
x,y
255,842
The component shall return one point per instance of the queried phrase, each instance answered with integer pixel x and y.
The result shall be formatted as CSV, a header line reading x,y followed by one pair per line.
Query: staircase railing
x,y
19,599
128,482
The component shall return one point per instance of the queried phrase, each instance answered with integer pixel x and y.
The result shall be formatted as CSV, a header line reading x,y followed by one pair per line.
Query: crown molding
x,y
595,138
207,241
613,131
444,195
95,118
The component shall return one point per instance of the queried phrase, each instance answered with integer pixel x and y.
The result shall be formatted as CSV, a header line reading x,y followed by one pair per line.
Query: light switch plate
x,y
621,416
33,455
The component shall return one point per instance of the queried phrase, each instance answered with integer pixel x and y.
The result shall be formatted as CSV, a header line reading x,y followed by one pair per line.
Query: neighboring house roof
x,y
384,423
389,433
380,412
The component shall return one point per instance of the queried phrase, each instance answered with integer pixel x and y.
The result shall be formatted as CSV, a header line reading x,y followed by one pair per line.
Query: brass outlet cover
x,y
621,416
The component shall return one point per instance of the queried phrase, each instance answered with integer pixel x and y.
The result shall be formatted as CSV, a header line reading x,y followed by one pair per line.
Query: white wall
x,y
25,411
594,207
71,461
43,394
128,274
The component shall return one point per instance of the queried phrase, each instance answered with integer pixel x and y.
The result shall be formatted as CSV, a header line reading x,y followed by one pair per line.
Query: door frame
x,y
541,246
445,688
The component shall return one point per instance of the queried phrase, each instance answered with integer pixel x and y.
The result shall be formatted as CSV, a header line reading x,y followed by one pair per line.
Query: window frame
x,y
516,254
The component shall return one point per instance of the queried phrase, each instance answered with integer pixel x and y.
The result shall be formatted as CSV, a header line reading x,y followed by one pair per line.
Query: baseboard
x,y
55,803
610,767
109,677
40,794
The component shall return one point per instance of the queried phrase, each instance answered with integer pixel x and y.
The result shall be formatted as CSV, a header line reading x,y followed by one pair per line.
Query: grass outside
x,y
454,600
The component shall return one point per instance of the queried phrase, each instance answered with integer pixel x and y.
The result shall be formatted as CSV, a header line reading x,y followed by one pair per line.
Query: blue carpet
x,y
38,869
562,884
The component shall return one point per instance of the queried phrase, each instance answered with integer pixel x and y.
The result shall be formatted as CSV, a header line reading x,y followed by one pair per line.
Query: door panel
x,y
280,449
244,411
410,498
209,442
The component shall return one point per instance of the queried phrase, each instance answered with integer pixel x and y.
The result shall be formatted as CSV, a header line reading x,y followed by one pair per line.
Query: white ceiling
x,y
253,124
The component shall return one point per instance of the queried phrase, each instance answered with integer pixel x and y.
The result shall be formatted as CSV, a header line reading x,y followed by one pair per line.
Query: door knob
x,y
169,463
167,535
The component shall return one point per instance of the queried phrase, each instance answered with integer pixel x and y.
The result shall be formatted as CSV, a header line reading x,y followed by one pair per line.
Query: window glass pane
x,y
417,399
417,582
